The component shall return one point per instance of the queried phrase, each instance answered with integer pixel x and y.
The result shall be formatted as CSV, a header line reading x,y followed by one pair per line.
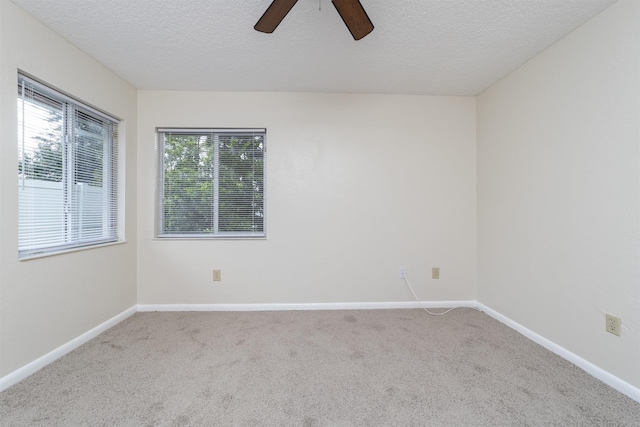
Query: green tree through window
x,y
212,183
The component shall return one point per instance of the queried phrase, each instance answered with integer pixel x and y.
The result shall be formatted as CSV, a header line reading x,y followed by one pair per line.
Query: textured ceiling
x,y
436,47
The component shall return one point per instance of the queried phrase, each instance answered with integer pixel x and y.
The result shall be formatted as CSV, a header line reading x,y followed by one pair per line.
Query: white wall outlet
x,y
403,273
217,275
435,273
614,324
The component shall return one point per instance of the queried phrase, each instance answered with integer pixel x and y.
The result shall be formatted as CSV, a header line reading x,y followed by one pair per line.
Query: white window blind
x,y
211,183
67,174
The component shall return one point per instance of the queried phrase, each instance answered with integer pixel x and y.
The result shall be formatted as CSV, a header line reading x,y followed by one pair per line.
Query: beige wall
x,y
46,302
559,192
357,187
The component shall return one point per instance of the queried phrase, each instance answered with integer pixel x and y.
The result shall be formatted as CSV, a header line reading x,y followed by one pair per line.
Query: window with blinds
x,y
211,183
67,172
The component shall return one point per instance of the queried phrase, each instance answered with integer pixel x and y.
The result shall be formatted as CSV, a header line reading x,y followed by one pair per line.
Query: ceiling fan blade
x,y
274,14
354,17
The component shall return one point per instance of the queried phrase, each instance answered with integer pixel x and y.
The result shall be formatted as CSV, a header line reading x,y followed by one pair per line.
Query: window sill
x,y
66,251
167,238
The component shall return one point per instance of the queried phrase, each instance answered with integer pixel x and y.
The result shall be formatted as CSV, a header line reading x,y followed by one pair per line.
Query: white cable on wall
x,y
420,303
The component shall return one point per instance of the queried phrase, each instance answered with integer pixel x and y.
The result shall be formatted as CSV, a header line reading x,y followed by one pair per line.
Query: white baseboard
x,y
31,368
604,376
304,306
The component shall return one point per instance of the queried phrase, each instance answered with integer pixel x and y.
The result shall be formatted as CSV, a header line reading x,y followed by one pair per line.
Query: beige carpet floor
x,y
313,368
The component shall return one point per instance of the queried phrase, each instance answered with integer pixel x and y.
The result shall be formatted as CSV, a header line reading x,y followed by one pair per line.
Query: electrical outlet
x,y
403,273
217,275
614,324
435,273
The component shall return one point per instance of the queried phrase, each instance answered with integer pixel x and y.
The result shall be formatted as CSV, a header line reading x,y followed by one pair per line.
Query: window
x,y
211,183
67,177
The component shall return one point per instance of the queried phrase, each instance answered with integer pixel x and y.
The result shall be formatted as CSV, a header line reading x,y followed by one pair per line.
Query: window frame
x,y
159,232
69,234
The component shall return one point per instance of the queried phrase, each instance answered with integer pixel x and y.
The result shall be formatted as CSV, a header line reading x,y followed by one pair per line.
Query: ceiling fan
x,y
351,11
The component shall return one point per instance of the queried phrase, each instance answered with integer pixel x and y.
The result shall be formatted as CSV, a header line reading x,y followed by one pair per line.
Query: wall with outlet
x,y
358,186
558,192
47,302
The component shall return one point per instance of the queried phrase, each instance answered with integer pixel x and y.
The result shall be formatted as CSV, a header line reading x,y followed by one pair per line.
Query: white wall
x,y
357,187
47,302
559,192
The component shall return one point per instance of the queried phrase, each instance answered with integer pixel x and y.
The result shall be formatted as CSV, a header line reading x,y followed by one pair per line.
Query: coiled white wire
x,y
425,308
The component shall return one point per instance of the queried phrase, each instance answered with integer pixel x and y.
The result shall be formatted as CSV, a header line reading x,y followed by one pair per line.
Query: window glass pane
x,y
241,183
188,184
40,166
91,140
